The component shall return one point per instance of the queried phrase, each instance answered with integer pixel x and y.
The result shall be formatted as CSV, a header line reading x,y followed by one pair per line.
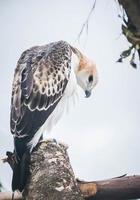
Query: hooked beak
x,y
87,93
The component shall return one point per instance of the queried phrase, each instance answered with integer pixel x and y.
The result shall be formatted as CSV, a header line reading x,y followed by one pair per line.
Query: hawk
x,y
45,78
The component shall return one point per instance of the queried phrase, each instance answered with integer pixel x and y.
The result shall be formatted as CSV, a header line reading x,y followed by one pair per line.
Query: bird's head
x,y
86,73
86,76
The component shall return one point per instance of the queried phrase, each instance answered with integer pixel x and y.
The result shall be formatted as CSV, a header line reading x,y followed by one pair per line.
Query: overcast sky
x,y
103,132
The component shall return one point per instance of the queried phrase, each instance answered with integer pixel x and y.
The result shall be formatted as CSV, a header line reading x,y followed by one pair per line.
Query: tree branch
x,y
124,187
131,29
52,177
132,9
8,196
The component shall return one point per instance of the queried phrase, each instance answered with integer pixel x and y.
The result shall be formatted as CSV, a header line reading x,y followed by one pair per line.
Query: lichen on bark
x,y
51,175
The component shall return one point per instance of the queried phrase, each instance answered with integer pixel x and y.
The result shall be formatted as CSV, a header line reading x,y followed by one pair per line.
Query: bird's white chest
x,y
64,104
68,99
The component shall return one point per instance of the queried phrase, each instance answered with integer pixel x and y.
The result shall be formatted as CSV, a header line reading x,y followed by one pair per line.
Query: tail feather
x,y
16,177
22,151
21,172
24,170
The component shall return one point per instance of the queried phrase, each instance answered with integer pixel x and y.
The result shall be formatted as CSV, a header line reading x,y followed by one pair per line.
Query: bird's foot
x,y
53,140
48,140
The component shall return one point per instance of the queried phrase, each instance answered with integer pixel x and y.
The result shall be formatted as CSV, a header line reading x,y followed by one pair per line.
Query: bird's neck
x,y
79,63
75,61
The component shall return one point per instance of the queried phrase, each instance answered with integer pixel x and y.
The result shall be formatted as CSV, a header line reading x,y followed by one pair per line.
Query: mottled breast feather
x,y
40,79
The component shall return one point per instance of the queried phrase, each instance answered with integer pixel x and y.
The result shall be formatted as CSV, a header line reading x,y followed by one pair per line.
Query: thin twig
x,y
85,24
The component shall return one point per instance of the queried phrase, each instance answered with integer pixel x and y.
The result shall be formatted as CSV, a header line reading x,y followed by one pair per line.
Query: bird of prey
x,y
45,79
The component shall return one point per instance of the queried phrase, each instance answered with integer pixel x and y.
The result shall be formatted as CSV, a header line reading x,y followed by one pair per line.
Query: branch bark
x,y
132,9
124,187
131,29
52,177
8,196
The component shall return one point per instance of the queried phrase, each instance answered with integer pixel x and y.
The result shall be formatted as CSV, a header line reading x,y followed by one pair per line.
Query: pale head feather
x,y
86,72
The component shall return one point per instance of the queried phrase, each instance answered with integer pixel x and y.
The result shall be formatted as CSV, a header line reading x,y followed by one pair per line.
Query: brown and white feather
x,y
40,79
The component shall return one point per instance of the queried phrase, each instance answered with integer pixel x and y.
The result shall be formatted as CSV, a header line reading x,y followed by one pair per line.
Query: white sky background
x,y
103,131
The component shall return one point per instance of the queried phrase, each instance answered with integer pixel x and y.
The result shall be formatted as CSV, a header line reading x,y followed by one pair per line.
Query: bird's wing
x,y
40,79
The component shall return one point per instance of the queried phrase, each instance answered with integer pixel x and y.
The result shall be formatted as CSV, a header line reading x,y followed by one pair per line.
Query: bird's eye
x,y
90,78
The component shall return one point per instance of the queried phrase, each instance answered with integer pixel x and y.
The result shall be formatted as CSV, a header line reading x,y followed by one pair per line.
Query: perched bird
x,y
45,78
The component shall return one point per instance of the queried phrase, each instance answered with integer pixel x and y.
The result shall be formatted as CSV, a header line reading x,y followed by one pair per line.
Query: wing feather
x,y
40,79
